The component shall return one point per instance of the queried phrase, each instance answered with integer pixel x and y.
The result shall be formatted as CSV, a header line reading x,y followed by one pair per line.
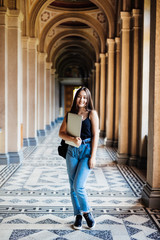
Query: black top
x,y
86,130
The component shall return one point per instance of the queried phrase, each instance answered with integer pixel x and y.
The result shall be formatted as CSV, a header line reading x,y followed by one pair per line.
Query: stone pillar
x,y
97,89
41,82
25,90
136,87
14,86
4,158
151,191
56,97
33,91
124,88
117,82
53,96
110,94
102,94
142,162
48,95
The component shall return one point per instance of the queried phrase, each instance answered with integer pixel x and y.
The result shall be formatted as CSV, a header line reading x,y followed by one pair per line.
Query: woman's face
x,y
82,99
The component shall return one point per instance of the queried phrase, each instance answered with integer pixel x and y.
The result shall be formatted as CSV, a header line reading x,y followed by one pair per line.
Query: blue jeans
x,y
78,171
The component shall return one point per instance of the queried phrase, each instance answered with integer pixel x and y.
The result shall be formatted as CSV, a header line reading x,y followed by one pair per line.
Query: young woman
x,y
81,159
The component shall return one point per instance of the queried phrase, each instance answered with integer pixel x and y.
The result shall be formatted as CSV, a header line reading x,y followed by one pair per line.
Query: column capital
x,y
48,65
111,44
136,12
53,71
3,9
102,55
3,16
15,17
96,64
117,41
125,20
42,56
33,42
136,17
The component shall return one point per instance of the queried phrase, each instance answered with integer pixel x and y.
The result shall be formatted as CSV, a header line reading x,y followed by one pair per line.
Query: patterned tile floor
x,y
35,202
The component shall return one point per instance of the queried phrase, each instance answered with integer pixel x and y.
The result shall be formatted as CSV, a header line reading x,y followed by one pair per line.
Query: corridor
x,y
35,202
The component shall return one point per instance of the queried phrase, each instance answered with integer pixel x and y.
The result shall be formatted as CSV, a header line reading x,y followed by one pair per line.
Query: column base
x,y
102,133
122,158
109,143
32,141
60,119
48,127
41,132
133,160
15,157
4,159
52,124
151,196
25,142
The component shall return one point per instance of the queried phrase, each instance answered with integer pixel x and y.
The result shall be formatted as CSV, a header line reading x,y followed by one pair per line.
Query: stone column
x,y
97,89
4,158
33,91
53,96
48,95
56,97
25,90
124,88
136,87
151,191
110,93
117,82
14,86
41,94
102,94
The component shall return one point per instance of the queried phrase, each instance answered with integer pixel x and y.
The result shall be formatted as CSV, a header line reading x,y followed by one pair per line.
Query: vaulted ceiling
x,y
72,32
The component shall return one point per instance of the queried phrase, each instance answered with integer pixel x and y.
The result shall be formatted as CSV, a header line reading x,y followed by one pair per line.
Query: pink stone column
x,y
123,146
102,93
32,91
136,87
117,83
25,90
14,86
151,191
41,82
48,95
4,158
53,96
110,93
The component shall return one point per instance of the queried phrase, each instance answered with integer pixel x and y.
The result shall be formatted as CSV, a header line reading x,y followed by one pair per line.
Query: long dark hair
x,y
89,105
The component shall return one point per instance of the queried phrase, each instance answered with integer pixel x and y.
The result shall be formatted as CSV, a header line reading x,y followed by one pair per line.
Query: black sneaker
x,y
78,222
90,220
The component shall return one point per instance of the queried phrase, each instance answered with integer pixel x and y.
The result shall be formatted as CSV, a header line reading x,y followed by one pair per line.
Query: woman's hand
x,y
91,162
77,141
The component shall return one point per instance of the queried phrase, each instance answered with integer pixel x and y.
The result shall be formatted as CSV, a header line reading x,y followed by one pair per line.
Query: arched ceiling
x,y
72,32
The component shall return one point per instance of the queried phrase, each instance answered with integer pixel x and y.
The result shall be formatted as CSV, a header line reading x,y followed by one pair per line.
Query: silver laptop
x,y
74,123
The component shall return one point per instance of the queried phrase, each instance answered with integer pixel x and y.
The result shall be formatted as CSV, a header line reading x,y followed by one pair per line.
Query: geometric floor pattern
x,y
35,200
